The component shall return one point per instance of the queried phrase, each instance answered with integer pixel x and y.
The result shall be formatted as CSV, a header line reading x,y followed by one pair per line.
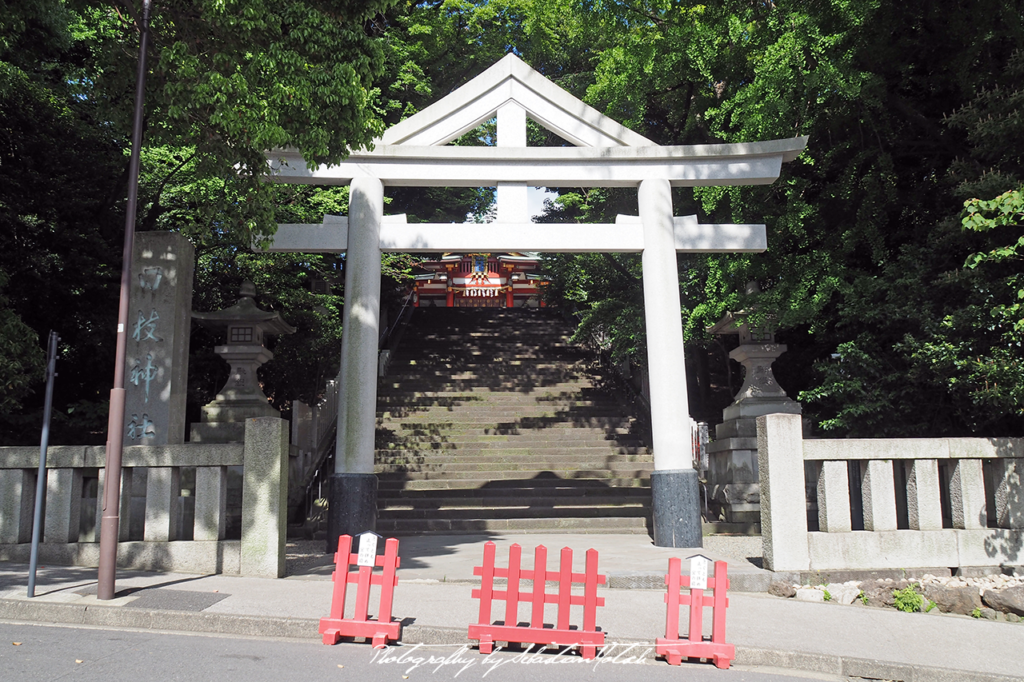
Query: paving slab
x,y
628,560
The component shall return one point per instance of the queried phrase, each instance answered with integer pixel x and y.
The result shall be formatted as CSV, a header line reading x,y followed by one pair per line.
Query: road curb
x,y
57,613
153,619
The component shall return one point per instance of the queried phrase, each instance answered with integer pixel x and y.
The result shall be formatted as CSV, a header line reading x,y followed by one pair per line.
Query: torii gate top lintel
x,y
607,154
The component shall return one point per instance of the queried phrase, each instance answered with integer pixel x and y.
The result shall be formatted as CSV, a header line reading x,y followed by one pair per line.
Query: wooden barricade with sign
x,y
675,649
336,626
587,638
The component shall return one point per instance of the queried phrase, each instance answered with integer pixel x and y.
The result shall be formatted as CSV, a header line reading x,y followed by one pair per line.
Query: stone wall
x,y
889,503
173,512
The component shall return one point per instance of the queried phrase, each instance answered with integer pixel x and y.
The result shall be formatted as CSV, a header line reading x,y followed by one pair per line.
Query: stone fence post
x,y
780,463
17,498
264,497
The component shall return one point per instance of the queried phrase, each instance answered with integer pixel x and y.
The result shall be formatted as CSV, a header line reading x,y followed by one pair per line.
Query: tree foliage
x,y
226,82
900,303
866,255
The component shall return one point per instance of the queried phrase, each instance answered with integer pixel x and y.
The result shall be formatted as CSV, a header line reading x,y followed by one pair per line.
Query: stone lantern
x,y
244,327
732,457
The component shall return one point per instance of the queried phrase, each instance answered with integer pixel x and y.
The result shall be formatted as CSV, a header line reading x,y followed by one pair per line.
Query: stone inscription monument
x,y
157,359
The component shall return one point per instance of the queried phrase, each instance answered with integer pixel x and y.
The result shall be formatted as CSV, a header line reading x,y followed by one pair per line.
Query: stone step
x,y
552,456
522,512
506,469
445,341
504,422
523,483
487,364
452,433
517,456
595,448
518,384
457,526
505,401
440,501
385,391
512,448
506,409
469,358
461,351
424,345
502,412
500,400
573,490
481,426
514,455
504,382
634,470
494,401
481,324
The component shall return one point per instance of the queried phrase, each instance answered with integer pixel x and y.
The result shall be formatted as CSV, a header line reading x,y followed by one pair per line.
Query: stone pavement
x,y
433,600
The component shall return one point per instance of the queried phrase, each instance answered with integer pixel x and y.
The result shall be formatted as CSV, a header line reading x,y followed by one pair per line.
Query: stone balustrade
x,y
888,503
194,542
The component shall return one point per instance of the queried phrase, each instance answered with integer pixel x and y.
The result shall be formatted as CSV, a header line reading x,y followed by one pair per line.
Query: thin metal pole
x,y
115,421
44,443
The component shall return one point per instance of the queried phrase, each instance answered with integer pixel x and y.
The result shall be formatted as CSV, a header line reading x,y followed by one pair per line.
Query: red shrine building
x,y
479,280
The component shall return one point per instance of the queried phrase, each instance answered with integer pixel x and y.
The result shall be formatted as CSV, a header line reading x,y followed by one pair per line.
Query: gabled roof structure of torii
x,y
414,153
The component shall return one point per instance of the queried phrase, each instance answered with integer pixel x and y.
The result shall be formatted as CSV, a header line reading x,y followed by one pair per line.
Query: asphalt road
x,y
31,652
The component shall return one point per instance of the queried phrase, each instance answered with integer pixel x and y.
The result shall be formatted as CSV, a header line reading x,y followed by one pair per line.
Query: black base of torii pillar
x,y
351,506
675,502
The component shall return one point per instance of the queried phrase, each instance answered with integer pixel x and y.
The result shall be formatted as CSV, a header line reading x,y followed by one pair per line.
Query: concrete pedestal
x,y
675,498
351,506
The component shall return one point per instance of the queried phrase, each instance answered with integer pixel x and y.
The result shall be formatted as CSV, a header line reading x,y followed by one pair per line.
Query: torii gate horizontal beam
x,y
754,163
625,236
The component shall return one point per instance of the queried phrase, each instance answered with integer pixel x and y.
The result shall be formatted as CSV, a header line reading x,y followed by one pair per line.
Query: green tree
x,y
865,258
21,358
231,80
227,81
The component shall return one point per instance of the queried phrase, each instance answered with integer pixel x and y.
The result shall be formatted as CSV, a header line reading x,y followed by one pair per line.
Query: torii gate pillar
x,y
352,491
674,489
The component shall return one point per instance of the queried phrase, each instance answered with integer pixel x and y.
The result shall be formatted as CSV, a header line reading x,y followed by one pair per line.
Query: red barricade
x,y
675,649
335,626
586,638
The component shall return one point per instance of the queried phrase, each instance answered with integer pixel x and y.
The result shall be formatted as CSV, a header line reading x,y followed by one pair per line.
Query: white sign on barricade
x,y
367,549
699,572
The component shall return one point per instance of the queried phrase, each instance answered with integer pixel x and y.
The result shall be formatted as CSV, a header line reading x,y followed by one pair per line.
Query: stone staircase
x,y
490,420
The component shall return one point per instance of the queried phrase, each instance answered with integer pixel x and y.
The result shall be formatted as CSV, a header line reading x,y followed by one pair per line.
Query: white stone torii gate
x,y
413,153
